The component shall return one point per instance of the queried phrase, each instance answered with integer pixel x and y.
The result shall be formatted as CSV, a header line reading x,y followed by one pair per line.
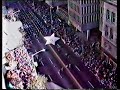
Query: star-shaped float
x,y
51,39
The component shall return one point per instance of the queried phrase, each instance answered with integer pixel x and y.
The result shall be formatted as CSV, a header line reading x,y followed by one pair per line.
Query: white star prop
x,y
51,39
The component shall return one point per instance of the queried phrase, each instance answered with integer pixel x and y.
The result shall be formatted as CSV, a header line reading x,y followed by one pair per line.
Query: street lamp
x,y
43,50
35,63
51,16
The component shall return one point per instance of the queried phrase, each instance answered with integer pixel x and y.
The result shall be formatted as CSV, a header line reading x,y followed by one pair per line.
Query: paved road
x,y
50,65
80,72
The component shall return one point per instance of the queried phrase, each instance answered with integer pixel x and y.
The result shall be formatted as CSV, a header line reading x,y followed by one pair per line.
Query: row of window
x,y
74,7
85,19
90,9
88,1
110,16
85,1
90,18
109,32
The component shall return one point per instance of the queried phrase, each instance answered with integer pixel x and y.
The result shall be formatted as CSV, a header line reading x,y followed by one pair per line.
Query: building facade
x,y
108,27
55,3
84,14
61,8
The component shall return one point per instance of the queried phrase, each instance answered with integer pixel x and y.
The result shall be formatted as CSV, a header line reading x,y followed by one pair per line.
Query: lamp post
x,y
43,50
35,63
51,17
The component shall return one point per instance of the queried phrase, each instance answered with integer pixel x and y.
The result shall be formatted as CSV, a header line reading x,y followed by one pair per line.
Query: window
x,y
94,1
81,1
107,15
82,20
111,34
95,8
86,19
95,17
87,9
90,18
98,17
86,1
106,30
90,9
84,10
89,1
113,17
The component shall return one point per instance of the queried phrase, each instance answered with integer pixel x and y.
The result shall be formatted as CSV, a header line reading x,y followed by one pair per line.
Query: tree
x,y
39,82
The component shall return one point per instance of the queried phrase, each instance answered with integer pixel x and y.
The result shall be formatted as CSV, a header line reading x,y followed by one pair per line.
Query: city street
x,y
60,68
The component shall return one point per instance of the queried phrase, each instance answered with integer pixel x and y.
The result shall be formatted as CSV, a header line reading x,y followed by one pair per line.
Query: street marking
x,y
91,84
45,21
60,74
42,63
69,65
77,68
50,77
38,41
59,20
66,66
50,61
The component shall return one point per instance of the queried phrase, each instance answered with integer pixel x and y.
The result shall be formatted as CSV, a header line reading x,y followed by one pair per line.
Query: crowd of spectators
x,y
20,70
